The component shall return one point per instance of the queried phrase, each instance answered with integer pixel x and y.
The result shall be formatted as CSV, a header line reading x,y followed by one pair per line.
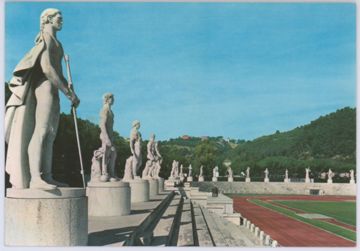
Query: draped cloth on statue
x,y
20,116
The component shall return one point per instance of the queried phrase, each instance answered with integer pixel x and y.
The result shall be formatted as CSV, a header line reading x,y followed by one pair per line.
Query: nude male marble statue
x,y
33,110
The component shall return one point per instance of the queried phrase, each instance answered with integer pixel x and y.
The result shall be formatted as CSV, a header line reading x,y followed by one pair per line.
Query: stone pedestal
x,y
230,179
153,187
247,180
266,180
109,198
161,184
201,178
140,190
189,179
36,217
214,179
352,182
286,180
329,181
307,180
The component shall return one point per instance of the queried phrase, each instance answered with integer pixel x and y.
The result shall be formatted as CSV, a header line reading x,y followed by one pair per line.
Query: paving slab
x,y
115,230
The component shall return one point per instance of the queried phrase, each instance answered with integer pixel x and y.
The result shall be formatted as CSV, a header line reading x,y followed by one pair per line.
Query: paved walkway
x,y
288,232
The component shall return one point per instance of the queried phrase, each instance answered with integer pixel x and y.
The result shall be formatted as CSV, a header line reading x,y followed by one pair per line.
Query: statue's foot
x,y
55,183
104,178
114,179
40,184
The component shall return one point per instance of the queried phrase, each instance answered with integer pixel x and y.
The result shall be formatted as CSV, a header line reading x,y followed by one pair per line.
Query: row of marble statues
x,y
215,174
103,161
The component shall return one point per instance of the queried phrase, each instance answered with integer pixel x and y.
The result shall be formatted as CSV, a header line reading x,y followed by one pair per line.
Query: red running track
x,y
287,231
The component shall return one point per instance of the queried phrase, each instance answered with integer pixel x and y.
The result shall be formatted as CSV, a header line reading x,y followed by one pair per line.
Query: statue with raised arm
x,y
33,110
135,147
190,171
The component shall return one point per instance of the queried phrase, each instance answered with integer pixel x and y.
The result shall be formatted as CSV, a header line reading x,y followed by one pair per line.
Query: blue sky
x,y
217,69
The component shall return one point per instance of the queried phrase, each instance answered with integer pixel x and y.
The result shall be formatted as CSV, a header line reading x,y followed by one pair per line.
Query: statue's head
x,y
136,124
108,98
152,136
51,17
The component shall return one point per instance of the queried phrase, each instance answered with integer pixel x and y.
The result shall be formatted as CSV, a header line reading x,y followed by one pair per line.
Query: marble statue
x,y
173,173
33,109
215,173
248,172
190,171
181,171
107,140
266,179
247,178
158,162
330,176
229,171
307,177
201,174
352,176
286,179
135,147
230,174
152,158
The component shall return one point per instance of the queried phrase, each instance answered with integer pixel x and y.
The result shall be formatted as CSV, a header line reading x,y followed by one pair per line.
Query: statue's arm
x,y
52,74
132,142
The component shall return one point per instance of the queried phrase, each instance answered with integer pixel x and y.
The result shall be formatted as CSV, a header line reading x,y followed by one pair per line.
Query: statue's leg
x,y
47,159
112,160
105,160
46,106
134,166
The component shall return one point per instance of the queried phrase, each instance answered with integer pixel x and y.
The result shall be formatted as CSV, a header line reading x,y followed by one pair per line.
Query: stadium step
x,y
225,233
202,232
164,229
186,236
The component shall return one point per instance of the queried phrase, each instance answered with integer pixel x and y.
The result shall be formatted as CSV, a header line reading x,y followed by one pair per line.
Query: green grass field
x,y
348,234
344,211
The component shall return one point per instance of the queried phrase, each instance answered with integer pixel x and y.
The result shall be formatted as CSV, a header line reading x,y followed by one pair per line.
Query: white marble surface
x,y
140,190
109,198
56,221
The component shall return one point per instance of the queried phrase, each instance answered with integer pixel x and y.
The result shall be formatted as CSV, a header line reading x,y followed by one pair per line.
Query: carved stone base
x,y
266,180
189,179
230,179
140,190
153,187
161,184
36,217
201,178
214,179
109,198
247,180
